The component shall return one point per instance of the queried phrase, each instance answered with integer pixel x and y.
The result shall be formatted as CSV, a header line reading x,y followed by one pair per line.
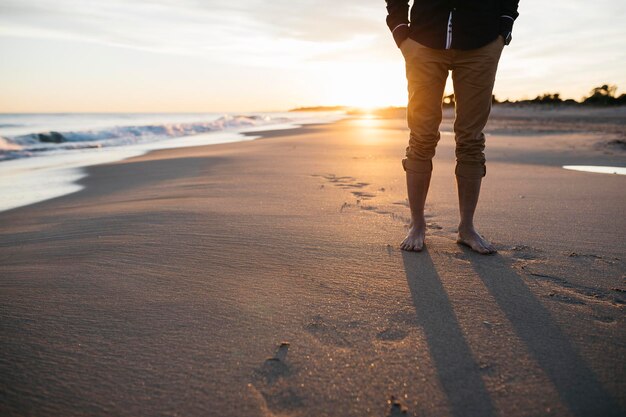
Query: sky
x,y
260,55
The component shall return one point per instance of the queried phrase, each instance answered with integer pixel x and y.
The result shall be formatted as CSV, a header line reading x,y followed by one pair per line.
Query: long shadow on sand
x,y
457,370
576,383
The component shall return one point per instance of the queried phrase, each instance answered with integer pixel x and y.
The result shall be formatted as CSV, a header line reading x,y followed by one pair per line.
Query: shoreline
x,y
506,120
54,176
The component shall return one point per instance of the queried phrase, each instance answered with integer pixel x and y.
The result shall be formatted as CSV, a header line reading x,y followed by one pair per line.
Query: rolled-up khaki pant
x,y
473,77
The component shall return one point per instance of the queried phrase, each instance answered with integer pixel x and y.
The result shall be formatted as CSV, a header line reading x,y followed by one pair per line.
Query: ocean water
x,y
597,169
43,155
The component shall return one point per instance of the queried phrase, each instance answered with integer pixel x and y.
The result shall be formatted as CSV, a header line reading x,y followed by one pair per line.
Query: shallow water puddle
x,y
597,169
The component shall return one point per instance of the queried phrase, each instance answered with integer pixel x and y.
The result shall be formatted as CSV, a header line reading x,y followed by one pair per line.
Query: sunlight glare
x,y
366,85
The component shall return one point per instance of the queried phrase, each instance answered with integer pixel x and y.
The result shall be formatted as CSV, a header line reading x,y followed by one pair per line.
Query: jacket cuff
x,y
506,28
400,33
506,25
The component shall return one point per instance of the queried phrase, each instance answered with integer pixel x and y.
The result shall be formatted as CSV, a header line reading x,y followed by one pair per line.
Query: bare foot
x,y
471,238
414,240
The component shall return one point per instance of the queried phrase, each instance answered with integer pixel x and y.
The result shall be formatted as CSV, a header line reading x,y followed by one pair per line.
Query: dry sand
x,y
167,285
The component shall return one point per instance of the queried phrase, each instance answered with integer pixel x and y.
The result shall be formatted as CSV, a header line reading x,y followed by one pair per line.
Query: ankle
x,y
465,227
418,221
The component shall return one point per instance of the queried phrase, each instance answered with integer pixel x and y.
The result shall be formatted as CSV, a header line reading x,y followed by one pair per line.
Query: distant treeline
x,y
598,96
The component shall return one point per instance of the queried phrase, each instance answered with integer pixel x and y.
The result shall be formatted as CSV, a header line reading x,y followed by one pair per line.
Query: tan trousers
x,y
473,76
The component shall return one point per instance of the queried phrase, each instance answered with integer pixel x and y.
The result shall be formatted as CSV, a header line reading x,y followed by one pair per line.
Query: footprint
x,y
362,195
461,256
392,335
355,185
594,257
272,387
275,367
348,183
584,255
327,333
594,294
525,252
335,179
401,218
566,299
433,225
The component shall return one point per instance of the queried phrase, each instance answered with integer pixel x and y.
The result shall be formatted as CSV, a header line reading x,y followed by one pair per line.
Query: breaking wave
x,y
34,143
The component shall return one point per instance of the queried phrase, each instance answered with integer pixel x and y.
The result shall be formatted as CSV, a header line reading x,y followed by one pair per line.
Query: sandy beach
x,y
264,278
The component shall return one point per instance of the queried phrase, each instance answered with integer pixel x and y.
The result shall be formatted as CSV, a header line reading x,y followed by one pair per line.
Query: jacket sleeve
x,y
509,8
508,14
398,19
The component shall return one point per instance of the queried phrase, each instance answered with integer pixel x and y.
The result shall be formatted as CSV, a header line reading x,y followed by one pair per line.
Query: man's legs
x,y
473,75
417,188
469,190
426,71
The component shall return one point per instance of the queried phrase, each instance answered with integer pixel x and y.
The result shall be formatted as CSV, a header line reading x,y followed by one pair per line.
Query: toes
x,y
487,245
411,245
475,245
478,247
487,248
483,250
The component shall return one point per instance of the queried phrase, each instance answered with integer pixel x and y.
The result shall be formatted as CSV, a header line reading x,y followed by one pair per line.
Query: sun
x,y
366,85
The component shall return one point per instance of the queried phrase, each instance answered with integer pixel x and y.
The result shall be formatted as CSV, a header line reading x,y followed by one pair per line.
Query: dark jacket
x,y
452,24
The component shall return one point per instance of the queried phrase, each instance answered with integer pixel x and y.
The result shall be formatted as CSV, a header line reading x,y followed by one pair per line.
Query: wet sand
x,y
264,278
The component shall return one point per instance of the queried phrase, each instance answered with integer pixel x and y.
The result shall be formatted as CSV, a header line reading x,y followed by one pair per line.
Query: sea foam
x,y
67,143
41,141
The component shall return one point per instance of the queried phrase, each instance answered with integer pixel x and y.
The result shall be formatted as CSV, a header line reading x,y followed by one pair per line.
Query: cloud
x,y
564,45
252,32
561,44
